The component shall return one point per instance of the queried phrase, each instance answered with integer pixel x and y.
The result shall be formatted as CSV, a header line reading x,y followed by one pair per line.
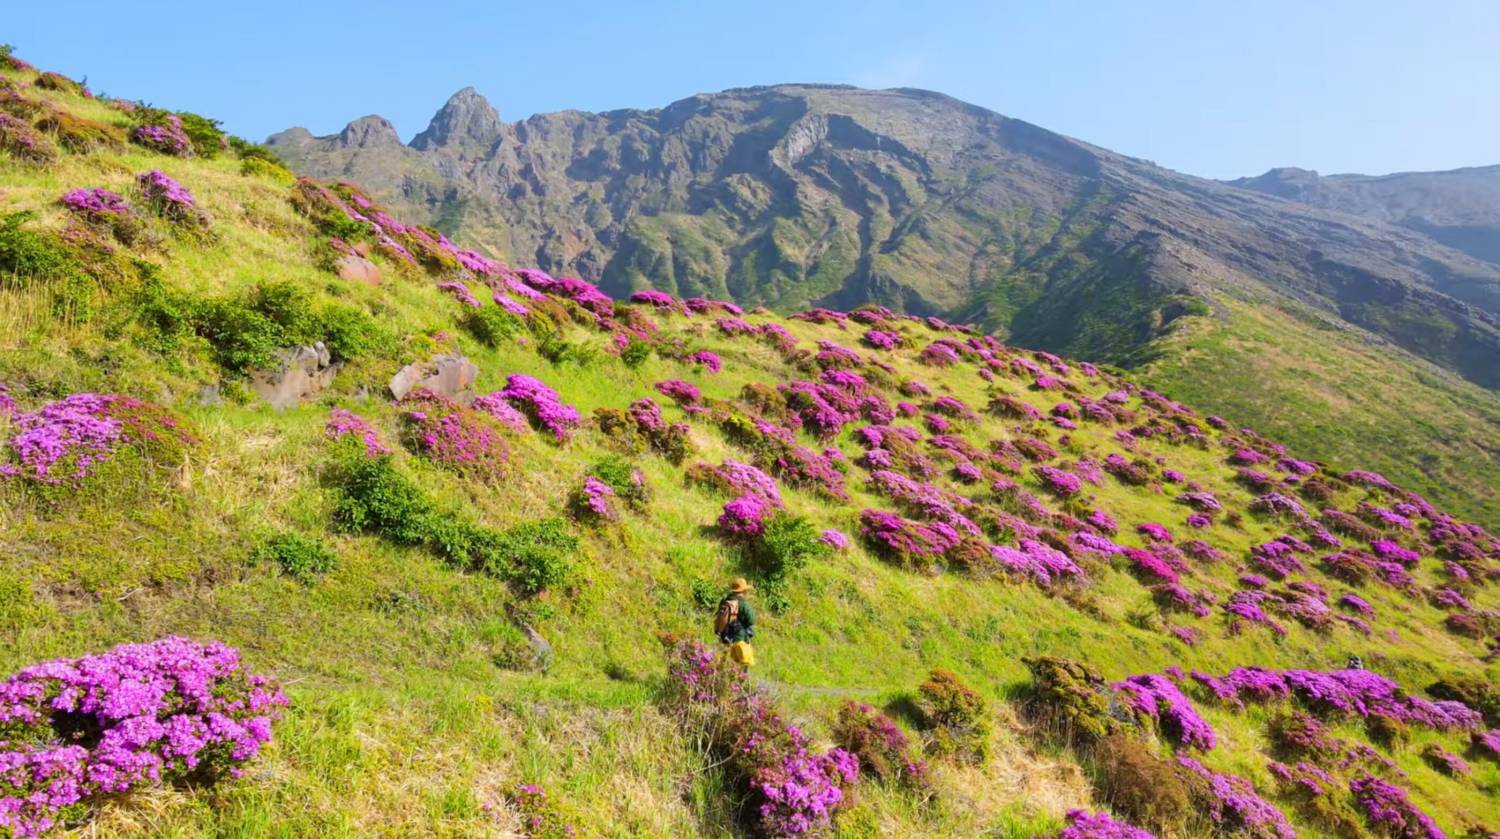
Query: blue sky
x,y
1212,88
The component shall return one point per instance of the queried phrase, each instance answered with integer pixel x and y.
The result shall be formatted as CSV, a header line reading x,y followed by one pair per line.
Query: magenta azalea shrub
x,y
1388,810
96,205
1160,699
540,404
66,441
166,137
706,359
1360,693
170,199
454,436
792,790
170,711
344,423
745,516
501,411
1085,825
1235,806
595,499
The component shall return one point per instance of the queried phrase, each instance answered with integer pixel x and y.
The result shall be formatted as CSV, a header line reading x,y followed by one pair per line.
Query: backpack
x,y
729,615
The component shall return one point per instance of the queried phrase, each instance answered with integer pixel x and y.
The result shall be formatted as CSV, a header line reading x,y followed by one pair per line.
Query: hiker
x,y
735,623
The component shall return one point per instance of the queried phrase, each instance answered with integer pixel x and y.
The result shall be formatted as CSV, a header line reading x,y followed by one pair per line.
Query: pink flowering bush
x,y
708,360
499,410
540,404
1085,825
171,200
164,135
65,442
1235,806
736,478
454,436
73,731
792,790
1390,812
745,517
594,500
1160,699
343,423
1350,692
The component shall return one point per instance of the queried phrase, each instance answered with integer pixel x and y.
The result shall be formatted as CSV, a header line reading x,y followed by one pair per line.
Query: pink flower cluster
x,y
168,711
707,360
745,516
595,499
1349,692
1159,698
541,404
96,205
166,137
453,435
64,441
499,410
794,792
344,423
1085,825
1236,806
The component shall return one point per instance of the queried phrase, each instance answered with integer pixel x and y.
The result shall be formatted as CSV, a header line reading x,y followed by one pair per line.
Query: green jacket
x,y
742,629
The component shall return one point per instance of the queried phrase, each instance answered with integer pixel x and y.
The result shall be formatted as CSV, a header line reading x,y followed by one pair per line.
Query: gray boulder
x,y
448,375
301,372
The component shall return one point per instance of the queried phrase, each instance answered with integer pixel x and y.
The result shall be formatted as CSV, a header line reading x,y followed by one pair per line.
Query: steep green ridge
x,y
798,195
415,708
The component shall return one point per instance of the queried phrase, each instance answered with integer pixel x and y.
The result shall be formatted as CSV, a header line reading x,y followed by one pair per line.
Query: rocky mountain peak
x,y
466,118
369,132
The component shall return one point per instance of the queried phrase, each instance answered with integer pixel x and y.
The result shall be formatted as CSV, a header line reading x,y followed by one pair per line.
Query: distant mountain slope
x,y
1460,208
807,194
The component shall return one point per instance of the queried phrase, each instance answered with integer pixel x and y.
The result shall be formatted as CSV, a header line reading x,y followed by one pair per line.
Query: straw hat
x,y
740,586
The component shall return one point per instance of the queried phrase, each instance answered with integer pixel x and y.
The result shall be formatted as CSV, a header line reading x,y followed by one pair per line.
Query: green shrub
x,y
245,332
350,333
492,325
635,353
1069,700
73,299
255,167
535,556
241,337
204,133
27,256
299,557
555,349
786,545
376,498
165,317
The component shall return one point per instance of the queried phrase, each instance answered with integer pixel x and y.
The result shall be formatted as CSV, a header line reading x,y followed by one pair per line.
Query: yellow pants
x,y
741,653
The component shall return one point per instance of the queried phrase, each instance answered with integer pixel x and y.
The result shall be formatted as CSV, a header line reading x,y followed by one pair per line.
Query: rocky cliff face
x,y
799,195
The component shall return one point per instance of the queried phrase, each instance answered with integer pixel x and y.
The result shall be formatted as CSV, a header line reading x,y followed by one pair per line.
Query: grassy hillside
x,y
417,704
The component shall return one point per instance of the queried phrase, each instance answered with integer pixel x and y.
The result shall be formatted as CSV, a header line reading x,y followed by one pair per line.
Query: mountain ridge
x,y
739,193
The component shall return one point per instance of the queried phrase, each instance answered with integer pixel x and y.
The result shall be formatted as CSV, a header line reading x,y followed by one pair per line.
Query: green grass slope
x,y
415,710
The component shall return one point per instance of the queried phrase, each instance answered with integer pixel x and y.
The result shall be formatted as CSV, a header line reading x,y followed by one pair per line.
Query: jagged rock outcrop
x,y
448,375
301,372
